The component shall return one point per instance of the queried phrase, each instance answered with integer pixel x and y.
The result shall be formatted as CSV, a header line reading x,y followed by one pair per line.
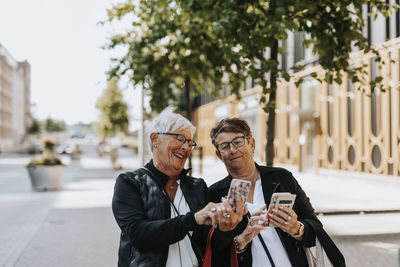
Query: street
x,y
75,226
71,227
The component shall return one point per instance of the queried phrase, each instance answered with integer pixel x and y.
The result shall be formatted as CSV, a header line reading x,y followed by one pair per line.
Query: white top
x,y
181,254
270,236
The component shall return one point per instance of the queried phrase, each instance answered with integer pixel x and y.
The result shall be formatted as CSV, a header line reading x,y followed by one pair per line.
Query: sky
x,y
62,41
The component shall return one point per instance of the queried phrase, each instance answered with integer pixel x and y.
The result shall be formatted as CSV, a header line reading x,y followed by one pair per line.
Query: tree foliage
x,y
51,125
113,109
205,39
252,32
34,127
168,51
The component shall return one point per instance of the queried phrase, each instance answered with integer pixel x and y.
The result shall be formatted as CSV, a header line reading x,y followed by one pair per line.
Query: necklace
x,y
171,189
173,185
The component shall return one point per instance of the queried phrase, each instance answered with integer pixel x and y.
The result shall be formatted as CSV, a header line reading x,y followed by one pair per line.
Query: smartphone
x,y
239,188
285,199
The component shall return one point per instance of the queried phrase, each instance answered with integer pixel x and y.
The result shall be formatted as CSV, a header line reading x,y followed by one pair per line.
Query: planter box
x,y
45,178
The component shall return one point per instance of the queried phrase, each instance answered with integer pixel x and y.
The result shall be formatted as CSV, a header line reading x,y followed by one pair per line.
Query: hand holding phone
x,y
285,199
239,188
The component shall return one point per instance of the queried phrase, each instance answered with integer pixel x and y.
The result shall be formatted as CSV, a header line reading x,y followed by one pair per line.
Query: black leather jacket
x,y
272,180
143,213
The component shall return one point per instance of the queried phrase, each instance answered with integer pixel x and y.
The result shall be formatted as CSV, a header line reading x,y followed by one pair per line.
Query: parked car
x,y
64,149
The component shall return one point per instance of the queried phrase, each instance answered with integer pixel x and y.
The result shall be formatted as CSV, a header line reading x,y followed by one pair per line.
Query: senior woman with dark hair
x,y
290,229
160,209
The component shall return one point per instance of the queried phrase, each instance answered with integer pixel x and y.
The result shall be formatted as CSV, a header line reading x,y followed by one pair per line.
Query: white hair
x,y
168,121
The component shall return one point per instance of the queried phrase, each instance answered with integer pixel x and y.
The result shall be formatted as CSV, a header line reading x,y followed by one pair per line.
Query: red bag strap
x,y
233,259
208,254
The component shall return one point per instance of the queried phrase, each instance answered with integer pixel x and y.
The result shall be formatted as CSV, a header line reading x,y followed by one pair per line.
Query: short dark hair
x,y
230,125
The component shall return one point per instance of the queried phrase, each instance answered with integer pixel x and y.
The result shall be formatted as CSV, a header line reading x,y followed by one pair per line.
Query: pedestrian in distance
x,y
276,238
163,213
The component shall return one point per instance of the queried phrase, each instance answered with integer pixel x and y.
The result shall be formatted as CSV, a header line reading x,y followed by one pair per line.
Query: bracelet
x,y
238,250
297,234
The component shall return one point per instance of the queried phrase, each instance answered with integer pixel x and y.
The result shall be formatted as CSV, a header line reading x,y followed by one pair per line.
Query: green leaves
x,y
203,40
174,40
113,111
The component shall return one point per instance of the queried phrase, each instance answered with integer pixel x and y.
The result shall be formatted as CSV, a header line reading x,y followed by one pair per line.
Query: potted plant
x,y
46,170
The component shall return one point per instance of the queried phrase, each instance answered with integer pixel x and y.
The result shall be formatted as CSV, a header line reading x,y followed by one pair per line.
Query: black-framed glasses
x,y
236,142
181,138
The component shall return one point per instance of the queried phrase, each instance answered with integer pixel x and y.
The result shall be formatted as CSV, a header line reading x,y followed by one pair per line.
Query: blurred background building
x,y
322,125
14,101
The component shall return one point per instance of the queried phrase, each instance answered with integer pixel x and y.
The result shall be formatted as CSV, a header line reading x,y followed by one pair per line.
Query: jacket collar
x,y
161,177
268,183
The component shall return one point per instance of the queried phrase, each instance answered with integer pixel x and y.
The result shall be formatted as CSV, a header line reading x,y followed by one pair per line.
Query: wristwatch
x,y
298,233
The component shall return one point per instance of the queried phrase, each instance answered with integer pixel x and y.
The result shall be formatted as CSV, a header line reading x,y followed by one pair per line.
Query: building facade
x,y
323,125
14,101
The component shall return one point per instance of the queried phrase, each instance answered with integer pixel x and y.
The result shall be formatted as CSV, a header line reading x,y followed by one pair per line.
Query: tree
x,y
240,39
113,111
34,127
170,53
51,125
253,31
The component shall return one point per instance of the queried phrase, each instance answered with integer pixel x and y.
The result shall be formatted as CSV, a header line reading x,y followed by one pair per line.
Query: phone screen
x,y
239,188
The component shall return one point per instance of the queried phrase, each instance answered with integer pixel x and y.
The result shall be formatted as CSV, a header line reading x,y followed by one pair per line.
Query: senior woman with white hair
x,y
160,209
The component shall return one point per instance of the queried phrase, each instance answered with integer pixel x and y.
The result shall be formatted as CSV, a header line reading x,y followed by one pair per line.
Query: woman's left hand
x,y
285,219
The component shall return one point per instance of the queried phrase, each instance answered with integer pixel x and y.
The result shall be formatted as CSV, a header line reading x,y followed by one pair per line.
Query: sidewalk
x,y
339,197
70,227
75,226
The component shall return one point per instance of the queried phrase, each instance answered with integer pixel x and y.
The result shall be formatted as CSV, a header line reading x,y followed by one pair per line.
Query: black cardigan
x,y
272,180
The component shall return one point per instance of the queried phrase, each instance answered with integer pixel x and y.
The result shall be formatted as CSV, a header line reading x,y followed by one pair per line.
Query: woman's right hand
x,y
254,226
207,215
227,218
221,214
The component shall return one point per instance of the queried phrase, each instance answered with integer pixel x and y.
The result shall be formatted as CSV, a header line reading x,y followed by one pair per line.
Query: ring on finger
x,y
214,209
288,218
226,215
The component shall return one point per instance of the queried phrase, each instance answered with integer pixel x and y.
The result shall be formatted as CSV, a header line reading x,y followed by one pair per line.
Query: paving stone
x,y
370,251
74,237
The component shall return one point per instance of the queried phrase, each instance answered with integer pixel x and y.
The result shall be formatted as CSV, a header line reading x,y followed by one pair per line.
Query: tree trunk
x,y
188,108
269,150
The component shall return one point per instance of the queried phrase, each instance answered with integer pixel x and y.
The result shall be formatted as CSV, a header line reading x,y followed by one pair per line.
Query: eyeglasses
x,y
181,138
236,142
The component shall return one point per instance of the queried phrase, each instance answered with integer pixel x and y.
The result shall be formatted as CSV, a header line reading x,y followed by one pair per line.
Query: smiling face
x,y
238,161
169,154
